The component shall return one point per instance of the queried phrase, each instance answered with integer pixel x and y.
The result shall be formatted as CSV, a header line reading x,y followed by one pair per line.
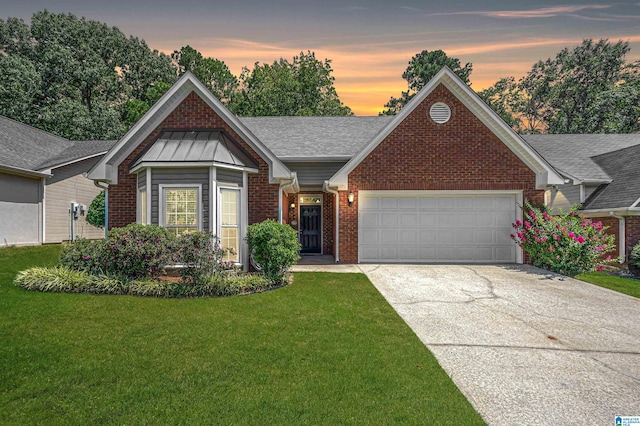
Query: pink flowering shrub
x,y
200,256
567,243
83,255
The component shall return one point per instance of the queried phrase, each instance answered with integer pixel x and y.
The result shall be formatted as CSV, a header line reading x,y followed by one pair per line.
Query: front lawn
x,y
327,349
623,285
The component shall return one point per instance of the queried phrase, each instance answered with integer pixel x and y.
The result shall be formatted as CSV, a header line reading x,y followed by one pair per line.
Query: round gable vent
x,y
440,113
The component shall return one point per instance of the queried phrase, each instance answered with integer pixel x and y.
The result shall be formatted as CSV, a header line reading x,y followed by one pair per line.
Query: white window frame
x,y
239,227
139,216
161,195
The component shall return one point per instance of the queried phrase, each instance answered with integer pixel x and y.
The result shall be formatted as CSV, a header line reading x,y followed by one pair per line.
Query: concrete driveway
x,y
525,346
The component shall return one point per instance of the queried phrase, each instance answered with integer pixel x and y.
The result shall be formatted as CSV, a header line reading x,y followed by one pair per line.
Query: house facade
x,y
601,176
441,181
41,176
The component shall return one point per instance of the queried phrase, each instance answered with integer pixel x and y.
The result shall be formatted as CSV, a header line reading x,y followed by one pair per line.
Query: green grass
x,y
623,285
327,349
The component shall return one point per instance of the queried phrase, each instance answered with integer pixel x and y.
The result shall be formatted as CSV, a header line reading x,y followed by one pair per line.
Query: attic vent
x,y
440,113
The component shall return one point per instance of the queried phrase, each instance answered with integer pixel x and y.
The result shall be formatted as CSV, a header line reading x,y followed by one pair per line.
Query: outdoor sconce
x,y
350,198
292,207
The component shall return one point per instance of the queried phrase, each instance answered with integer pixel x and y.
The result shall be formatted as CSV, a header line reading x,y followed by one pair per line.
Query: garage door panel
x,y
369,220
484,236
389,220
466,220
427,220
408,220
428,236
388,203
408,237
430,228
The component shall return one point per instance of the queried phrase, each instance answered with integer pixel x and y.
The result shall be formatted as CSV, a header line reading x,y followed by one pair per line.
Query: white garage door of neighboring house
x,y
425,227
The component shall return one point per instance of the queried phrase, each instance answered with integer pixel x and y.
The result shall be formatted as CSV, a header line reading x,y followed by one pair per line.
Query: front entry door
x,y
310,229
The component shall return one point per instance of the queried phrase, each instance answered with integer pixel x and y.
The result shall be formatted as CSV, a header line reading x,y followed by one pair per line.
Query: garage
x,y
431,227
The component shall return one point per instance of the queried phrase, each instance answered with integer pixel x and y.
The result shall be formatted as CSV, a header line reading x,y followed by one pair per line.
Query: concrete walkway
x,y
526,347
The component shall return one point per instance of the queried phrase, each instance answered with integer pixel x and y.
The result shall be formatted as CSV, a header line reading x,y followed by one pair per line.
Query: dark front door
x,y
310,229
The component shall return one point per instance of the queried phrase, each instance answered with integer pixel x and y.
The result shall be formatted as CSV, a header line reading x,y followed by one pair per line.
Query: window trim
x,y
161,195
239,227
139,216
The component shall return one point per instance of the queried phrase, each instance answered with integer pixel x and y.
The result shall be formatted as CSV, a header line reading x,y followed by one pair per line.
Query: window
x,y
229,222
181,210
142,205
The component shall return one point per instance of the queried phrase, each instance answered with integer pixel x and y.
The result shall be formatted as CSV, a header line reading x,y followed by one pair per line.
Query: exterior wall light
x,y
292,207
350,198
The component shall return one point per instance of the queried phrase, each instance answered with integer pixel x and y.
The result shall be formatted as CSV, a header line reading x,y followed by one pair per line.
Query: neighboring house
x,y
40,176
601,173
439,182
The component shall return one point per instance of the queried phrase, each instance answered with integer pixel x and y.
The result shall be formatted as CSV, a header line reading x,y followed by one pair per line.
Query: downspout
x,y
337,227
622,240
106,206
283,185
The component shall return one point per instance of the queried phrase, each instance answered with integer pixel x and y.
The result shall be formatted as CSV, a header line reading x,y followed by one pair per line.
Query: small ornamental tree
x,y
95,214
567,243
274,248
634,260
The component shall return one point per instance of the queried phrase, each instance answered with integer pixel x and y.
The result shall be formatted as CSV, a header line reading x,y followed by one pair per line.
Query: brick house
x,y
441,181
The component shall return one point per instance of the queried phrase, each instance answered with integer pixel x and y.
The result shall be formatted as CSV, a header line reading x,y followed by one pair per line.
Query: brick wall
x,y
613,228
192,113
419,154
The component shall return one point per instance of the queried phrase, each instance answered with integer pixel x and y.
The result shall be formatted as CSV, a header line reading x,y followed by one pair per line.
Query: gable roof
x,y
624,189
574,155
316,138
107,168
28,150
545,173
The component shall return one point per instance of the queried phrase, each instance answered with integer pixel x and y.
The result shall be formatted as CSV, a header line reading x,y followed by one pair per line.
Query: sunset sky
x,y
369,42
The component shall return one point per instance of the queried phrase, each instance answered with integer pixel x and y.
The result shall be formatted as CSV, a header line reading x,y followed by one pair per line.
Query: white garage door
x,y
426,228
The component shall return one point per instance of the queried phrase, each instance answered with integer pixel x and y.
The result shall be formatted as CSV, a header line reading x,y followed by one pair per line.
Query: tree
x,y
422,68
590,89
213,73
95,214
74,77
301,87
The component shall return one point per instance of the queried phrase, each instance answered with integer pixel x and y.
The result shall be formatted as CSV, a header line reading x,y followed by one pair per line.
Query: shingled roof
x,y
624,189
25,147
315,137
573,155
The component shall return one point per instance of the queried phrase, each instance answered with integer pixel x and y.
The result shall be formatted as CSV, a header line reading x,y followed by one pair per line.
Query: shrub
x,y
55,279
634,259
241,284
274,247
95,214
567,243
200,255
84,255
137,251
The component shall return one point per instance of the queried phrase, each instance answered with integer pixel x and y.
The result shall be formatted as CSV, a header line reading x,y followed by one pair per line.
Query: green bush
x,y
95,214
84,255
567,243
634,258
200,255
137,251
274,247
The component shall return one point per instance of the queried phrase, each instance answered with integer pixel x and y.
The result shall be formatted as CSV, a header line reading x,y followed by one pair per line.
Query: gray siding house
x,y
40,176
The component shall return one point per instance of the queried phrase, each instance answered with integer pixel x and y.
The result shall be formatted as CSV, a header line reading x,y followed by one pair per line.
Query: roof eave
x,y
24,172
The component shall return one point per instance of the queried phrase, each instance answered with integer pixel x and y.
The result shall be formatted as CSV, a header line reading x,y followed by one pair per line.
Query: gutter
x,y
106,206
622,249
325,187
289,183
